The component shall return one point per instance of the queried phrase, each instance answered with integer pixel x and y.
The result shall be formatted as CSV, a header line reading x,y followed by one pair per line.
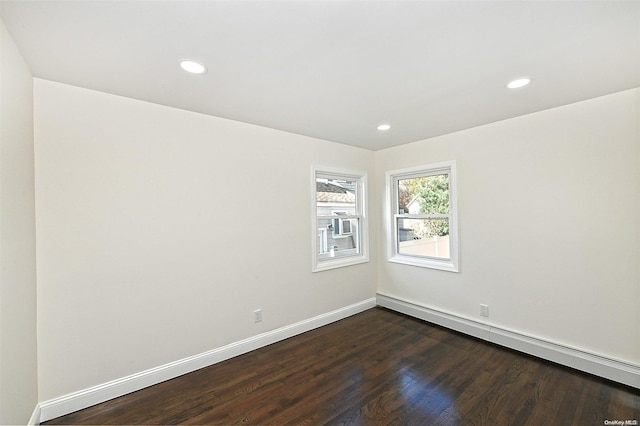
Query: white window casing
x,y
338,218
410,239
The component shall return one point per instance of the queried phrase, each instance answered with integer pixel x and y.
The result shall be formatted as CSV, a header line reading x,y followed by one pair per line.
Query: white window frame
x,y
393,177
323,262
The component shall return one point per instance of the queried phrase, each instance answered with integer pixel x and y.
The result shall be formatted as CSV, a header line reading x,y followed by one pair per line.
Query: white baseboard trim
x,y
612,369
87,397
35,417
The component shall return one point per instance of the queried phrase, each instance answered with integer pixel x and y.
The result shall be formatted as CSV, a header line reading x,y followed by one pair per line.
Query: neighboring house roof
x,y
330,193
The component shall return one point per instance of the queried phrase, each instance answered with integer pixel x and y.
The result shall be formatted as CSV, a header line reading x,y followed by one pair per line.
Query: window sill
x,y
339,263
442,265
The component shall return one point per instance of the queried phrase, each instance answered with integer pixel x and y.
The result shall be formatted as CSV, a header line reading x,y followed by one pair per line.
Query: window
x,y
424,224
339,219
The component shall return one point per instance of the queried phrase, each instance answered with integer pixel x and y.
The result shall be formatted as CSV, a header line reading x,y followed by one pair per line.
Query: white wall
x,y
541,198
138,266
158,236
18,367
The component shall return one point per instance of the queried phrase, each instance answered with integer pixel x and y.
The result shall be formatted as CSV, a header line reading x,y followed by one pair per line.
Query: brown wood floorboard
x,y
375,368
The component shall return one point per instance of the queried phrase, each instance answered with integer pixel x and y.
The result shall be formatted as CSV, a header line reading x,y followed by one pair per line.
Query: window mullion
x,y
342,216
424,216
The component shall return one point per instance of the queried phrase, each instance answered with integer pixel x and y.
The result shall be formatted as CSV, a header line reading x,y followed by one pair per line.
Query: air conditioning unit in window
x,y
341,227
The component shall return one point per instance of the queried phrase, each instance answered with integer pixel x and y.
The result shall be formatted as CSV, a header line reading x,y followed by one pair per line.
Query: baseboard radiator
x,y
602,366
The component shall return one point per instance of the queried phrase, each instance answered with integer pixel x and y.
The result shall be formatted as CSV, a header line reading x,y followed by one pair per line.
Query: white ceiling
x,y
336,69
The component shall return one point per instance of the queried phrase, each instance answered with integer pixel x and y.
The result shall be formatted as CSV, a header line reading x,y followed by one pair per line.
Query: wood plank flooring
x,y
375,368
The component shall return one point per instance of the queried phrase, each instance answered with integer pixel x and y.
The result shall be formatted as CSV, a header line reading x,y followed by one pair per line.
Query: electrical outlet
x,y
257,315
484,310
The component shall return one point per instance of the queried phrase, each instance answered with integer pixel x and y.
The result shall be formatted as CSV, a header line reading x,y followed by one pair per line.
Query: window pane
x,y
424,195
338,237
335,197
423,237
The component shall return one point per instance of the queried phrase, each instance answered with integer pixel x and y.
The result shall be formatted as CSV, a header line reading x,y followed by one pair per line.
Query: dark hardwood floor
x,y
377,367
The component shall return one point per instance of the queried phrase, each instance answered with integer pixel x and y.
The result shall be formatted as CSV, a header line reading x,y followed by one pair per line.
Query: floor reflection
x,y
425,395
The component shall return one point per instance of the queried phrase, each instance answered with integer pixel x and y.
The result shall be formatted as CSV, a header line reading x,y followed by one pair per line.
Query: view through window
x,y
423,207
423,216
339,219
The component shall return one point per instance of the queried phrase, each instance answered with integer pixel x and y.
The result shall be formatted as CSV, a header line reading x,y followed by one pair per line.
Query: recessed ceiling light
x,y
521,82
384,127
193,67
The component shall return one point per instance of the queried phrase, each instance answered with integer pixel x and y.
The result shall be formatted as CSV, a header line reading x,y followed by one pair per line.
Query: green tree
x,y
432,195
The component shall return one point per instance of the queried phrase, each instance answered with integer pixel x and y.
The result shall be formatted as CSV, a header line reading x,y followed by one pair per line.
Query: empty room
x,y
320,212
